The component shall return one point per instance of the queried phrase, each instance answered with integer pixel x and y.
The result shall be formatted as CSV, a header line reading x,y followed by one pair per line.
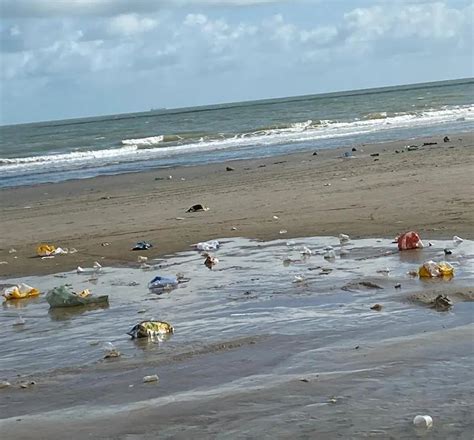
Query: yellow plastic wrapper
x,y
430,269
45,250
85,293
21,291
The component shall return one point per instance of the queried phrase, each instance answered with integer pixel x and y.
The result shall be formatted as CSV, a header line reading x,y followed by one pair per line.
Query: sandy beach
x,y
380,191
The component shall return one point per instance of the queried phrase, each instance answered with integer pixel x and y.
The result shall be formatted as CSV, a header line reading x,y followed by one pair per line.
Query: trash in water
x,y
64,296
376,307
160,283
20,291
198,208
431,269
398,286
147,329
142,246
448,252
210,261
409,240
5,384
306,251
343,238
211,245
299,279
152,378
142,259
457,240
330,254
423,421
343,252
442,303
384,271
111,351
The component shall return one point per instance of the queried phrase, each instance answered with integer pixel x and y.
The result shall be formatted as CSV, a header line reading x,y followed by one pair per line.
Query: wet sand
x,y
429,190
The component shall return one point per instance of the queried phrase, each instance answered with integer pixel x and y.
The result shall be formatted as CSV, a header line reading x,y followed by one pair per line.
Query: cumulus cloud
x,y
131,24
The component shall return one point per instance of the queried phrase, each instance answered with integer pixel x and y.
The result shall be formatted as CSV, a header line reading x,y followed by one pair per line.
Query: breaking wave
x,y
168,145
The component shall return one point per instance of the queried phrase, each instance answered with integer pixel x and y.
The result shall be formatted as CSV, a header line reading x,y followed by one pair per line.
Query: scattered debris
x,y
448,251
49,250
283,231
150,379
377,307
64,296
409,240
375,154
20,291
18,321
446,139
275,217
162,284
343,238
457,240
142,259
423,421
429,143
430,269
315,153
354,149
142,246
229,169
198,208
210,261
233,228
12,251
357,285
398,286
211,245
5,384
105,243
306,251
146,329
442,303
111,351
412,147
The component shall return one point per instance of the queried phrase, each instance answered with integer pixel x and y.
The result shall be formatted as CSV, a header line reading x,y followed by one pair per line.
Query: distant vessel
x,y
157,109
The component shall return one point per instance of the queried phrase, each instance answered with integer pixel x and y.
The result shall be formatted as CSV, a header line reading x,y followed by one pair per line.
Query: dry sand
x,y
429,190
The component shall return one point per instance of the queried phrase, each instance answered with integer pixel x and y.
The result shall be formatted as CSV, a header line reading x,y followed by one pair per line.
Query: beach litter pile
x,y
161,284
50,251
430,269
142,246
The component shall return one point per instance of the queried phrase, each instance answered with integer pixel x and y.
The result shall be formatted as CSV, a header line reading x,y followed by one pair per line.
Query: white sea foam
x,y
143,148
153,140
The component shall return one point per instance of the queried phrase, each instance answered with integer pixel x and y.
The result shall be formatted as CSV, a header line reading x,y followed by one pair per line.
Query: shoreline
x,y
428,189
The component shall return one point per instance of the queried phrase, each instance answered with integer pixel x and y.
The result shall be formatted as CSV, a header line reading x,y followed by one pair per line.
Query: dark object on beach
x,y
396,151
375,160
304,380
376,307
147,329
142,246
197,208
262,166
429,143
375,155
229,169
64,297
315,153
159,178
442,303
354,149
398,286
448,252
446,139
361,284
356,347
412,147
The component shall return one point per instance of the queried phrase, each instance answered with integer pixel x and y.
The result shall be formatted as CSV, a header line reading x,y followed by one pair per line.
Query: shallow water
x,y
323,323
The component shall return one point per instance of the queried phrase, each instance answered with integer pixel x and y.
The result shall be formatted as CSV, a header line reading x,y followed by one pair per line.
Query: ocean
x,y
55,151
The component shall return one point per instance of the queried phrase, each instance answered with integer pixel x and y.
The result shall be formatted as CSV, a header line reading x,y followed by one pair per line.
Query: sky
x,y
61,59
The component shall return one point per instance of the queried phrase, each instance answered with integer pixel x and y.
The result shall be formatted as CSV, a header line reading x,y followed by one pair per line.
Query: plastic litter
x,y
64,296
142,246
283,231
376,307
210,261
211,245
457,240
20,291
19,321
330,254
306,251
423,421
142,259
409,240
343,238
49,250
197,208
163,283
146,329
12,251
150,379
111,351
431,269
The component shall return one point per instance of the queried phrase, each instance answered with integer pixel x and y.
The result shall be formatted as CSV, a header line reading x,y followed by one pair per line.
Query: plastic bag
x,y
146,329
45,250
431,269
160,282
20,291
211,245
409,240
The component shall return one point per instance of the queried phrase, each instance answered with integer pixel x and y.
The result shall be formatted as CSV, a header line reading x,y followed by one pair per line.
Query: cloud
x,y
131,24
77,8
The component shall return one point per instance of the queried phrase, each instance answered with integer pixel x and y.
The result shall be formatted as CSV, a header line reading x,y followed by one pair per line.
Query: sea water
x,y
59,150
